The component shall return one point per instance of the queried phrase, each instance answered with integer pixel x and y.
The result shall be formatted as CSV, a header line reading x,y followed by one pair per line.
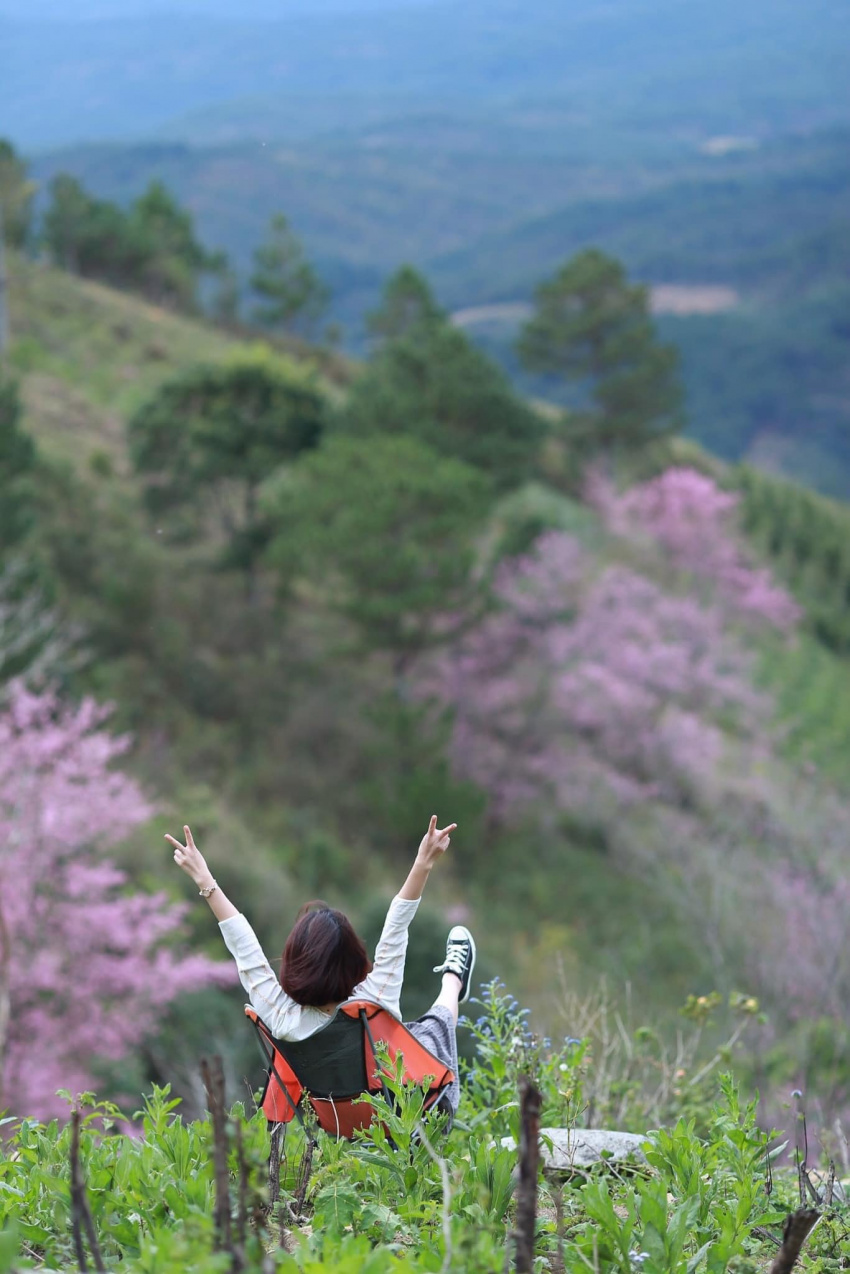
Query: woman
x,y
325,962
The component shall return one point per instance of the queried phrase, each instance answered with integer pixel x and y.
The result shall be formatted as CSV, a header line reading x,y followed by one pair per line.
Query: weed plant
x,y
411,1195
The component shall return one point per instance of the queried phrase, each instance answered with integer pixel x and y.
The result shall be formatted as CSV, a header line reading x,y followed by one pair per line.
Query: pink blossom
x,y
584,685
691,519
802,959
86,968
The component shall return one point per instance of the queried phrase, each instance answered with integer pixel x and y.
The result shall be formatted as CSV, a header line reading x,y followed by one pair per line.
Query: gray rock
x,y
581,1147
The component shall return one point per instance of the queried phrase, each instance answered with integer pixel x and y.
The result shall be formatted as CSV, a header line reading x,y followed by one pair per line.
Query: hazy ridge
x,y
485,143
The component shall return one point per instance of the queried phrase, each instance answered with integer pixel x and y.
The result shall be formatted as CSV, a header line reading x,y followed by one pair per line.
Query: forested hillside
x,y
765,374
318,648
624,710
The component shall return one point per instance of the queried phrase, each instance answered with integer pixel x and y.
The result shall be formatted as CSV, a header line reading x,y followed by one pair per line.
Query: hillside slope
x,y
277,735
87,355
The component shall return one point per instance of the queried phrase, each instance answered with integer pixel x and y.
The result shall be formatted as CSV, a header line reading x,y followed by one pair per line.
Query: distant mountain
x,y
488,217
769,225
741,221
719,67
704,141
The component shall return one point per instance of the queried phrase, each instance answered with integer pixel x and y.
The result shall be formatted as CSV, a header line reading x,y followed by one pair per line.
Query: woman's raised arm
x,y
192,861
278,1010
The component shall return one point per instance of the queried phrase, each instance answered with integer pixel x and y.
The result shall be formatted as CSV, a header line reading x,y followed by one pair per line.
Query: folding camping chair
x,y
333,1068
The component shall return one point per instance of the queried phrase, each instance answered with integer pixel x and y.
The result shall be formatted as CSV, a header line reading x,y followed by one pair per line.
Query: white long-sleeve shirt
x,y
288,1020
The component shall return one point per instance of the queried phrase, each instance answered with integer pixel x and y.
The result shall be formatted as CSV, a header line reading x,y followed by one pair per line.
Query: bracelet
x,y
210,889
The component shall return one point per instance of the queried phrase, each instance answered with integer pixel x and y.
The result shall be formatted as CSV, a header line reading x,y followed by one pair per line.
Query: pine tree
x,y
432,383
220,432
16,196
406,304
592,327
294,297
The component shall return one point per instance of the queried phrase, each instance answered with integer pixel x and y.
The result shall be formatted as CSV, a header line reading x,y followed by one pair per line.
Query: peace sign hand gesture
x,y
190,858
435,842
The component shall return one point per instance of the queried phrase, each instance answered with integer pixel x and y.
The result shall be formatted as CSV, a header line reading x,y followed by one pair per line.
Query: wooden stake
x,y
212,1074
242,1202
529,1162
275,1137
798,1227
81,1218
304,1173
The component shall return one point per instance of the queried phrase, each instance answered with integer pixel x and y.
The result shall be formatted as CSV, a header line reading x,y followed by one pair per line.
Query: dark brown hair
x,y
323,959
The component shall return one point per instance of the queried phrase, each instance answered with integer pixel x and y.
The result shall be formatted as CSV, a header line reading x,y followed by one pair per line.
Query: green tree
x,y
292,293
591,326
17,462
151,249
93,237
208,439
407,303
16,196
388,529
433,384
69,223
171,259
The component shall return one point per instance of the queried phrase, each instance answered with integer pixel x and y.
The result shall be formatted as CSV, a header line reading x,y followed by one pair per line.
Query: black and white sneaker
x,y
460,958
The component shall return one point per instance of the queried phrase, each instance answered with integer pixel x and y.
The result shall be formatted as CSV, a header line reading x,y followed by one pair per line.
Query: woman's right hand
x,y
435,842
190,859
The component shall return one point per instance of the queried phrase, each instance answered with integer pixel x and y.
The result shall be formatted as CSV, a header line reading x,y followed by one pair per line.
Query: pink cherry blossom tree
x,y
86,966
584,685
692,521
590,689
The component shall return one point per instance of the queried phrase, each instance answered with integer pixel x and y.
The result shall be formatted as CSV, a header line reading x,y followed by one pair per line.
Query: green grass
x,y
88,355
811,686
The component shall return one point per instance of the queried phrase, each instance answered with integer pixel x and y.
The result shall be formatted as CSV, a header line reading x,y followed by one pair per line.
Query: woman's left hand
x,y
435,842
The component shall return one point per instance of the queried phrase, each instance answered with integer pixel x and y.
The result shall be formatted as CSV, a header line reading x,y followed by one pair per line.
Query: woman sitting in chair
x,y
325,963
